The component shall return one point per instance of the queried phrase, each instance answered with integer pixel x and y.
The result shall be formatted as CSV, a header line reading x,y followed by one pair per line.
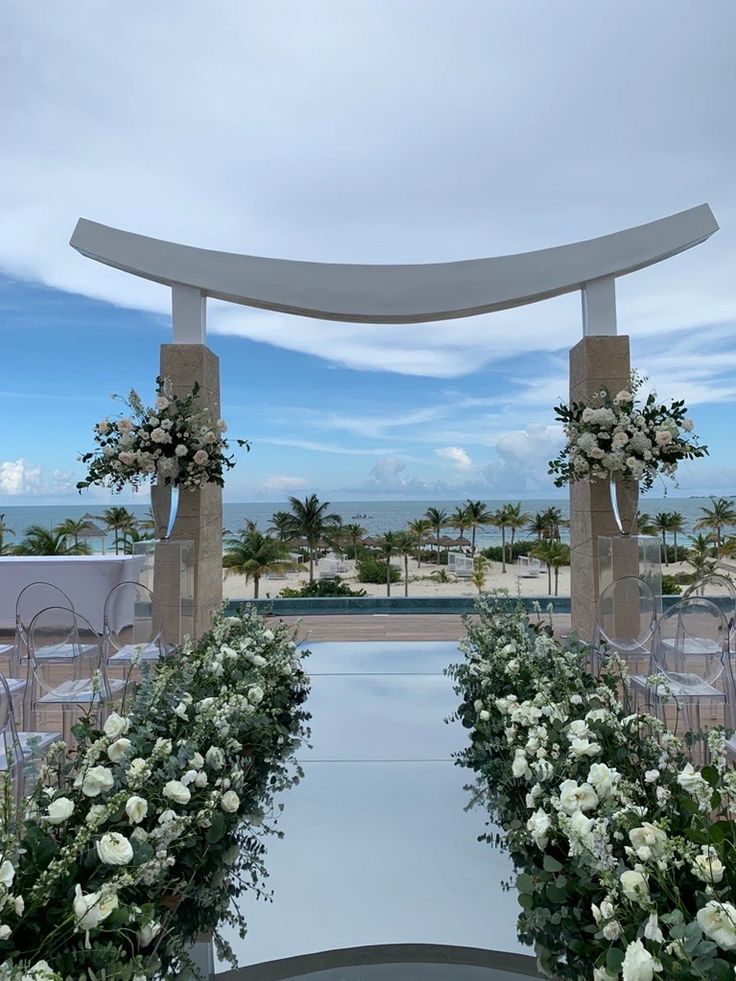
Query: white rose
x,y
5,931
687,425
114,849
117,750
215,758
90,909
651,776
520,766
201,457
603,778
60,810
612,930
638,963
258,661
189,777
126,457
718,923
690,779
103,427
538,826
230,802
96,781
165,817
162,403
634,886
197,761
19,905
574,797
648,841
176,791
116,726
210,438
221,425
94,814
124,426
201,779
136,808
708,867
484,715
582,747
578,729
181,449
158,435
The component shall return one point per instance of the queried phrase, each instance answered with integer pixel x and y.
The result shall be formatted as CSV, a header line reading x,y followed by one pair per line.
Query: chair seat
x,y
142,652
16,685
31,744
63,652
77,692
694,645
6,649
687,685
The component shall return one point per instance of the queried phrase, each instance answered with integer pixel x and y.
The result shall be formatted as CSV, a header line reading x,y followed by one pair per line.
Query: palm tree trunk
x,y
438,545
674,535
549,579
664,547
311,565
472,543
503,548
388,575
557,578
406,574
256,583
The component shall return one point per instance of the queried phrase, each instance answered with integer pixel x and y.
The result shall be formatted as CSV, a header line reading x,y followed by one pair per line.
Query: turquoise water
x,y
380,516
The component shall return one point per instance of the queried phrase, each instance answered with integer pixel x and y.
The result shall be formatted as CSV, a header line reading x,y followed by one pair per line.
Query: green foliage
x,y
374,571
522,547
323,587
670,586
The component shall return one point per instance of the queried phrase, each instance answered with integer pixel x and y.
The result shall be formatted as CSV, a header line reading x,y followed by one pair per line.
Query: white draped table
x,y
86,580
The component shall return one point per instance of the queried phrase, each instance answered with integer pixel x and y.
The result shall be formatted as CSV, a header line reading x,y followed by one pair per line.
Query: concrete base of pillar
x,y
595,362
200,511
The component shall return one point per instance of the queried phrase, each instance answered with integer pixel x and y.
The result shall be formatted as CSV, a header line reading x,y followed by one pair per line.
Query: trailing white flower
x,y
114,849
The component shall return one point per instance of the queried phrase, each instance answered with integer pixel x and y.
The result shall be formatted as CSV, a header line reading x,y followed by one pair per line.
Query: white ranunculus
x,y
634,886
215,757
577,797
538,826
117,750
603,778
647,841
60,810
90,909
638,963
116,725
176,791
97,780
136,808
718,923
230,802
114,849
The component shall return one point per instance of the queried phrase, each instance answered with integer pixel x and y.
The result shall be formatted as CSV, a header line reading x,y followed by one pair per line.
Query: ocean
x,y
376,517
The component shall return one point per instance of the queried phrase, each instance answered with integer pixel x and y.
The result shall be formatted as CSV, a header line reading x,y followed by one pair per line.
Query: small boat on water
x,y
361,516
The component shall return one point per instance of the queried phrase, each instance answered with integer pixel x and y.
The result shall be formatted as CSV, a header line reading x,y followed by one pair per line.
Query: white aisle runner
x,y
377,847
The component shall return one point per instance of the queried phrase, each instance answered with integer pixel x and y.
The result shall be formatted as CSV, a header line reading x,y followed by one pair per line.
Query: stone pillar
x,y
595,362
200,511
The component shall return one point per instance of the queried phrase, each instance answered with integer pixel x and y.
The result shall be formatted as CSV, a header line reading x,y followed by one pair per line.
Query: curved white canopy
x,y
394,294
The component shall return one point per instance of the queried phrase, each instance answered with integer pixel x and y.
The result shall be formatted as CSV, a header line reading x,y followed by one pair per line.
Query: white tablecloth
x,y
86,579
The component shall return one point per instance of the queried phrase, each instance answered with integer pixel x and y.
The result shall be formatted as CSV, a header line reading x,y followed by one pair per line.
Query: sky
x,y
363,131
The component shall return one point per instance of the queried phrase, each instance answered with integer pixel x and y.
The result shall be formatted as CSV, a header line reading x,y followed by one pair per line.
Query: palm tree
x,y
388,546
699,554
516,520
250,553
419,528
677,527
539,526
40,541
460,519
4,530
309,519
438,519
720,515
645,523
554,521
71,528
119,519
405,545
663,524
354,535
554,554
280,525
500,520
478,515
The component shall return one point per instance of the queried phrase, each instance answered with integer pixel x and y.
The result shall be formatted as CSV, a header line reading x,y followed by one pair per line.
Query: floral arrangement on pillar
x,y
622,438
138,841
173,443
624,851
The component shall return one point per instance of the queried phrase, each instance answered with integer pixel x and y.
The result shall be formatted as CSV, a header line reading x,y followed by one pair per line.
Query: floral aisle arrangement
x,y
141,839
625,852
174,441
623,436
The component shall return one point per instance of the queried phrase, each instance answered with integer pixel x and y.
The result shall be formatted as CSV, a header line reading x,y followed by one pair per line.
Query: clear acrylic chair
x,y
132,627
624,624
690,661
72,671
722,591
33,598
20,751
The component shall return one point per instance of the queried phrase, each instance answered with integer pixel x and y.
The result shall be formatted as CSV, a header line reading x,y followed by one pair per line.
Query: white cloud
x,y
523,455
456,455
389,477
20,478
283,482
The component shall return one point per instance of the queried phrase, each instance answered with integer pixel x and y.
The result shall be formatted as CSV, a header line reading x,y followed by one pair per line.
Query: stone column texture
x,y
595,362
200,511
